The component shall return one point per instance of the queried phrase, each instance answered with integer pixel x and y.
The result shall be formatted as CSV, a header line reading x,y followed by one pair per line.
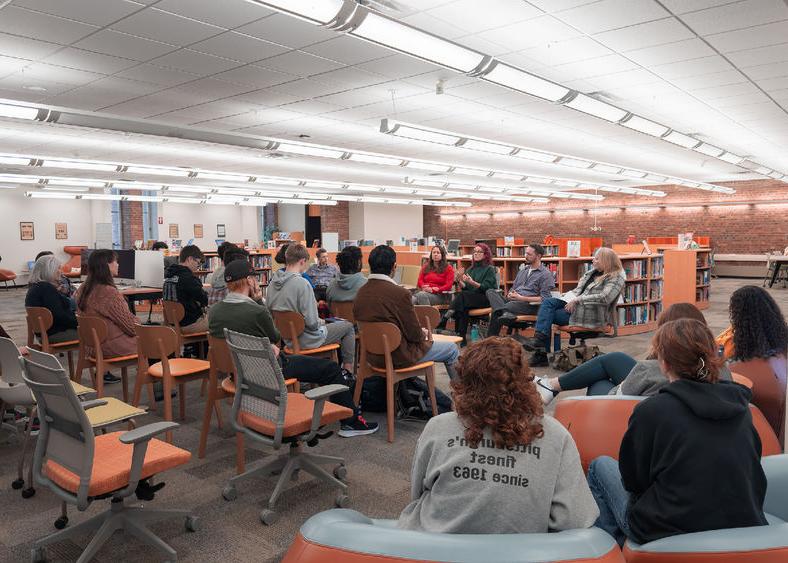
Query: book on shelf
x,y
703,277
655,290
584,268
573,248
634,292
702,294
636,315
654,310
260,260
551,250
657,267
635,269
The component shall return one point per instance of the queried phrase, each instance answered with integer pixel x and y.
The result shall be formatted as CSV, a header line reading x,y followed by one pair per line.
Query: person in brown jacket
x,y
382,300
98,297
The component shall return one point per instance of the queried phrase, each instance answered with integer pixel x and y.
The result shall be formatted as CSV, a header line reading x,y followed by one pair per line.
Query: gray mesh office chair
x,y
264,411
81,468
15,393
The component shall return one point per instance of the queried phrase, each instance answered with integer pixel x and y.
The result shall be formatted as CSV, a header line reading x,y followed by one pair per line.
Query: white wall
x,y
356,221
80,217
384,221
292,217
239,222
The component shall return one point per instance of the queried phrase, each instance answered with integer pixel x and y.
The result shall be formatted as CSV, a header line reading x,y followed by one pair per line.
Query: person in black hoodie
x,y
181,285
43,292
690,460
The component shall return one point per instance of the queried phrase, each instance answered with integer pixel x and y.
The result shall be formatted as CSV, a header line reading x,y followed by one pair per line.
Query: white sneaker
x,y
545,391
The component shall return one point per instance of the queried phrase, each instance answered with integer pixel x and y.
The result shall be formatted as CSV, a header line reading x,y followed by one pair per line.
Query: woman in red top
x,y
435,279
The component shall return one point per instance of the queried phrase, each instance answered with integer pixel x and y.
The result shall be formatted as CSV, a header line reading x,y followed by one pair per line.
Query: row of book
x,y
703,277
657,267
655,290
635,269
702,294
637,315
260,260
634,292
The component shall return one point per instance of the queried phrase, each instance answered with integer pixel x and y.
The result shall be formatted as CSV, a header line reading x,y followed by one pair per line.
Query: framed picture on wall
x,y
61,231
197,231
221,232
173,230
26,230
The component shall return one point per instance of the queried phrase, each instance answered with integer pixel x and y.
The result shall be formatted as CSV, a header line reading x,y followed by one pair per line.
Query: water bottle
x,y
474,333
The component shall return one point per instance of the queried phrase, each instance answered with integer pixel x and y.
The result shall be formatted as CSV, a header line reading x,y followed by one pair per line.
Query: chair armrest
x,y
145,433
325,391
93,403
776,469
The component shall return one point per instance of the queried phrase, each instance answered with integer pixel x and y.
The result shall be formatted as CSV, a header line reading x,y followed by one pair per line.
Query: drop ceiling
x,y
715,68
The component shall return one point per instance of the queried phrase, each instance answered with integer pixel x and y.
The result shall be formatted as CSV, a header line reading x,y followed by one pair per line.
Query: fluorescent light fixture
x,y
222,177
730,157
136,186
79,182
681,140
409,40
280,181
64,189
434,167
19,179
184,200
309,150
157,171
575,162
50,195
522,81
606,168
18,112
191,189
535,155
709,150
471,171
416,133
565,183
376,159
7,187
596,108
79,165
644,125
364,188
14,160
507,176
538,180
426,182
633,173
763,170
236,191
313,11
486,146
776,175
323,185
656,178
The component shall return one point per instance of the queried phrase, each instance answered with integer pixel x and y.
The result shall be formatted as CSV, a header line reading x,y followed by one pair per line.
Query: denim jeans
x,y
551,312
446,353
599,374
604,480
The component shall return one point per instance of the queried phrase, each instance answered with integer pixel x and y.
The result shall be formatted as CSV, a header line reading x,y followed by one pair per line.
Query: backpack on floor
x,y
569,358
413,399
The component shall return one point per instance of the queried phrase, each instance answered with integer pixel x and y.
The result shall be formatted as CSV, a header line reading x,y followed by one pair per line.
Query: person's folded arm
x,y
611,288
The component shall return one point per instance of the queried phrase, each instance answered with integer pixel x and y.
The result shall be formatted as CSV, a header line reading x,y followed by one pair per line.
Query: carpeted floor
x,y
378,473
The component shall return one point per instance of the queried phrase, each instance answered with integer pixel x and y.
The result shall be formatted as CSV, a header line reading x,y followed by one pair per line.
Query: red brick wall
x,y
131,227
336,219
746,228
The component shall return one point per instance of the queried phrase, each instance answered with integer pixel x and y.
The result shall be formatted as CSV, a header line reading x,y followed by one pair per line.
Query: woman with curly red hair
x,y
474,283
497,465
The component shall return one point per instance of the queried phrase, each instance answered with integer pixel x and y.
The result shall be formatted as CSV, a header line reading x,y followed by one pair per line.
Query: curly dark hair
x,y
494,389
349,260
759,329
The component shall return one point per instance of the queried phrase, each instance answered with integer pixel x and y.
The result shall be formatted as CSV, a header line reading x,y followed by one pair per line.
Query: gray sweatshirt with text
x,y
535,488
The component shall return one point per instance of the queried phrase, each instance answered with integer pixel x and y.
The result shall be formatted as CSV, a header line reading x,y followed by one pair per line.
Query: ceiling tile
x,y
287,31
695,67
19,21
537,32
10,65
208,89
102,93
612,14
164,77
348,50
255,76
238,47
685,6
771,84
87,60
124,45
169,28
559,5
708,80
429,23
195,63
750,38
96,12
738,15
400,66
770,70
760,56
599,66
25,48
269,97
643,35
671,53
467,15
37,72
349,77
300,64
726,91
227,13
311,107
569,51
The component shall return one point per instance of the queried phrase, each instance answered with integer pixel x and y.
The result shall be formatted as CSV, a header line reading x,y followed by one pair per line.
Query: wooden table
x,y
133,294
779,261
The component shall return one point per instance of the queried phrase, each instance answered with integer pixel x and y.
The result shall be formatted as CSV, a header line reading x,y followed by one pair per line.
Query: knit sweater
x,y
440,281
242,314
484,275
44,294
106,302
531,488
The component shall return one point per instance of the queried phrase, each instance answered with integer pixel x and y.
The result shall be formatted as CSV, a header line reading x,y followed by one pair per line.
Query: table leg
x,y
777,266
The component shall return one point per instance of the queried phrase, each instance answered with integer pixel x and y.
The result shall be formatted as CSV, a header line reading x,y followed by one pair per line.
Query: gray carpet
x,y
378,473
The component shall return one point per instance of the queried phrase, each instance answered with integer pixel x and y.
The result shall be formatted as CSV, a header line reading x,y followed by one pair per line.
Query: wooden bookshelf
x,y
688,276
261,261
515,247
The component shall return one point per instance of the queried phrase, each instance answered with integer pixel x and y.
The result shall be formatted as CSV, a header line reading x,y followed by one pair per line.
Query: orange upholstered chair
x,y
81,468
768,378
71,269
350,537
7,276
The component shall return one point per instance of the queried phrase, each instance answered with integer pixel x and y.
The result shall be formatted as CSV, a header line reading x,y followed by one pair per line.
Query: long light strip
x,y
364,23
402,129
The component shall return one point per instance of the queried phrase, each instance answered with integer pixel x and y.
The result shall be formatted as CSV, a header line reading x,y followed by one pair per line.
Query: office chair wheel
x,y
192,523
340,472
61,522
27,493
342,500
268,517
18,484
38,555
295,474
229,493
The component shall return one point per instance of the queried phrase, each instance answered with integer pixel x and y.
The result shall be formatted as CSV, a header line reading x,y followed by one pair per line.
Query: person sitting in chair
x,y
532,285
321,274
585,306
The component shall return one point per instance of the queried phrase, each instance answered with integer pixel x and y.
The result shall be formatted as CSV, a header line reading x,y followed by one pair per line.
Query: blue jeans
x,y
604,480
599,374
551,312
446,353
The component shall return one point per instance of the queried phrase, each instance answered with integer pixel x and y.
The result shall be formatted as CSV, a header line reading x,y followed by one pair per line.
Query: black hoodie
x,y
181,285
691,460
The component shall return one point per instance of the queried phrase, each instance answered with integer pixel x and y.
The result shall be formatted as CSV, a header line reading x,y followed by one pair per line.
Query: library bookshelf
x,y
642,295
261,261
511,247
689,276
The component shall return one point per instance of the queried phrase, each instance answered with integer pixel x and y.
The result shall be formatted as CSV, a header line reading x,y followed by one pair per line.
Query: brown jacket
x,y
383,301
107,302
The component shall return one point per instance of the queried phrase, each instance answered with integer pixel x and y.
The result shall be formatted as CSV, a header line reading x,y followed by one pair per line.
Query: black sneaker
x,y
109,378
359,427
539,359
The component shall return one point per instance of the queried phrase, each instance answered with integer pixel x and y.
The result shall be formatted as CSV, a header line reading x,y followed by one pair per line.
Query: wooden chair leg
x,y
124,376
206,423
240,455
152,403
167,382
430,377
203,387
390,406
182,401
99,378
71,372
360,377
217,407
139,380
77,377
